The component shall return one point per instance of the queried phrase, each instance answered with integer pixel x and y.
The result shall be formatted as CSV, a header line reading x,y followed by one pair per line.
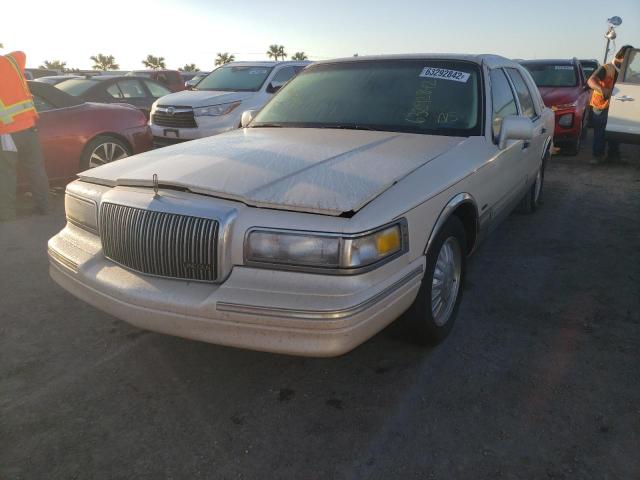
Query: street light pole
x,y
611,33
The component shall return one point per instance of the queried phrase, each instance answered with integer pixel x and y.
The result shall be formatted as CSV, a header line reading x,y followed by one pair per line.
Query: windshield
x,y
415,96
549,75
237,78
76,87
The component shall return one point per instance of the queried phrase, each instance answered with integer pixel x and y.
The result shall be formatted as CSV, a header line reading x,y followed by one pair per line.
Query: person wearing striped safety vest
x,y
20,145
602,82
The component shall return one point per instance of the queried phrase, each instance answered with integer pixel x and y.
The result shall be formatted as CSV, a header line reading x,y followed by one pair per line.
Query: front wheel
x,y
432,315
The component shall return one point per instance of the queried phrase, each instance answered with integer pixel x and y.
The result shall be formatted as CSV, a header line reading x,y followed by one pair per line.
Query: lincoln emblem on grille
x,y
171,111
155,185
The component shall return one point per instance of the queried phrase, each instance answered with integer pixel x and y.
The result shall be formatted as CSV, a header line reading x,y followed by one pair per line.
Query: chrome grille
x,y
159,243
174,117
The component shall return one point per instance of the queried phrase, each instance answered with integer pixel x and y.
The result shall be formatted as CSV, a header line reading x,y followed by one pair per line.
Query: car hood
x,y
324,171
193,98
559,95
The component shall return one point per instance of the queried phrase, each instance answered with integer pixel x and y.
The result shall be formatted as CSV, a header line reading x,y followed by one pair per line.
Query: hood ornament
x,y
155,185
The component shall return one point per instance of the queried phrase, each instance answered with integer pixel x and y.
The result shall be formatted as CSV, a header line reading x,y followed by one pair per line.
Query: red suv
x,y
169,78
564,89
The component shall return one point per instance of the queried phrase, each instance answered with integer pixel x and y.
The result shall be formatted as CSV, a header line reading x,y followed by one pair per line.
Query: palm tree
x,y
154,63
281,52
299,56
224,58
274,52
189,67
104,62
54,65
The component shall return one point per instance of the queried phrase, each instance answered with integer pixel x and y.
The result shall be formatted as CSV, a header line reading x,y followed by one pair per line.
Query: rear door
x,y
624,109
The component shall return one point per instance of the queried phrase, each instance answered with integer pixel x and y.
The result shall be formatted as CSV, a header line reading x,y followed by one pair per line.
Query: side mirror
x,y
514,128
273,88
247,117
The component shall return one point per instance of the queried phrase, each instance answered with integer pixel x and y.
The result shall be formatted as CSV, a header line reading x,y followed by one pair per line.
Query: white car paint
x,y
317,180
623,122
213,125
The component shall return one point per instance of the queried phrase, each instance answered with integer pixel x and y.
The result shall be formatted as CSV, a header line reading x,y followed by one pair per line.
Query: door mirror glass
x,y
514,128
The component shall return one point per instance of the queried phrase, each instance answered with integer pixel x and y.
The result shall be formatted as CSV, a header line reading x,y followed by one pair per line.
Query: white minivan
x,y
216,103
623,123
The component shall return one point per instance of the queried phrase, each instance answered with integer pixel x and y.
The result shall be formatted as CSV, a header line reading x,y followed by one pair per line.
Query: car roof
x,y
492,61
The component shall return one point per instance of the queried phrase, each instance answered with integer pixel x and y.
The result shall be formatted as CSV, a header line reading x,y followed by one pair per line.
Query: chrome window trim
x,y
319,314
404,232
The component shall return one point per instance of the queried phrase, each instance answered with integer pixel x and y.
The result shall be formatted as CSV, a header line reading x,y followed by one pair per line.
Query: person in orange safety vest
x,y
602,82
20,144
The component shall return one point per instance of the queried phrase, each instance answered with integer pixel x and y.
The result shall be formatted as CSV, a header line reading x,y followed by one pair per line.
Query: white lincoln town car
x,y
353,197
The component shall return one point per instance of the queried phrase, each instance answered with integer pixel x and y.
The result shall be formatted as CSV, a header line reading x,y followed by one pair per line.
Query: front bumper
x,y
275,311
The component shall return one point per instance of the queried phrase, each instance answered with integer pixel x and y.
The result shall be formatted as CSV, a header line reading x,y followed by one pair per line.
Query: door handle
x,y
543,131
525,145
624,98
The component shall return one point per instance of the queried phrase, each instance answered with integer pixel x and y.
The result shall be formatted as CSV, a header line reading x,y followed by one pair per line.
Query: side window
x,y
156,89
504,104
524,95
162,78
632,72
131,88
114,91
41,104
282,76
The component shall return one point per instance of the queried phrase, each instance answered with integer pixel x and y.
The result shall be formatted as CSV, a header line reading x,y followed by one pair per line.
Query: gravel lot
x,y
539,379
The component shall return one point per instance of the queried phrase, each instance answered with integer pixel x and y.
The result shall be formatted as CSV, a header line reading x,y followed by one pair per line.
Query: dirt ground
x,y
540,377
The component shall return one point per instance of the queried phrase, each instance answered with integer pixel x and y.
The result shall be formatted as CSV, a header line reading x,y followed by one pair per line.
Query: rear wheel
x,y
432,315
533,198
103,149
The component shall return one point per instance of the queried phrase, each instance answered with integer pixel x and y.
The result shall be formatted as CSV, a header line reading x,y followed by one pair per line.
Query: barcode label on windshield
x,y
444,74
563,67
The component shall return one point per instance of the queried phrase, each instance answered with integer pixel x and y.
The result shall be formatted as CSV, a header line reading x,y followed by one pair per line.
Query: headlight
x,y
565,120
215,110
81,212
340,253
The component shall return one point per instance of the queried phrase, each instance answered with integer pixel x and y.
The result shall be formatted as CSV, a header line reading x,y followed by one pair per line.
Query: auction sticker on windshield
x,y
445,74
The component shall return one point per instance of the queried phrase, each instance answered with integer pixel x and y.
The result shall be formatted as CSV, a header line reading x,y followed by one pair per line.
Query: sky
x,y
193,31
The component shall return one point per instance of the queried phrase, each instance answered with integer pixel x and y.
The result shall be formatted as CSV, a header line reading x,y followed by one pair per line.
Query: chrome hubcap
x,y
446,281
105,153
538,187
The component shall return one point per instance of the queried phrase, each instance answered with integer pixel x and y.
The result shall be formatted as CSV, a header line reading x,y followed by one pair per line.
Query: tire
x,y
425,324
533,198
103,149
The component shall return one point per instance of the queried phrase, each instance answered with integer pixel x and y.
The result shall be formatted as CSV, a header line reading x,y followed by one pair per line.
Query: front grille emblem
x,y
155,185
171,111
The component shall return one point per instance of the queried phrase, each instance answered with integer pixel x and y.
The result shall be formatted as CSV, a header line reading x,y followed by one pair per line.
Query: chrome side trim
x,y
60,259
319,314
446,212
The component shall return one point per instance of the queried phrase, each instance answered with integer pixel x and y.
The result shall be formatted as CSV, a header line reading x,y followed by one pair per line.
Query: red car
x,y
564,89
76,135
172,79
